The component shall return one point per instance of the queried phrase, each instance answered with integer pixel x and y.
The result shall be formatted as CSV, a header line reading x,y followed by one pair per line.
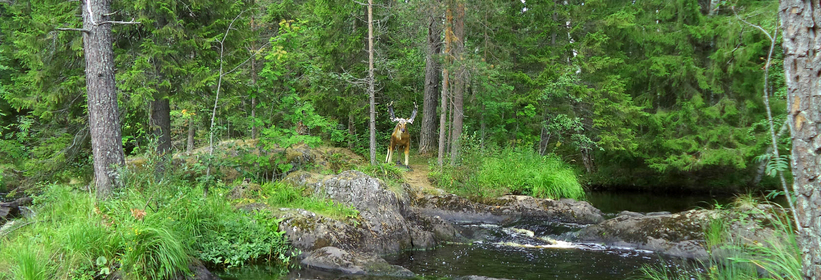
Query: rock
x,y
507,208
385,224
333,259
243,190
11,210
196,268
680,235
629,214
198,272
476,277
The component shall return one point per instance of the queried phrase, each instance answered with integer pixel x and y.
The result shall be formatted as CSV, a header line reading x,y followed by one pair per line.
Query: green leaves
x,y
774,164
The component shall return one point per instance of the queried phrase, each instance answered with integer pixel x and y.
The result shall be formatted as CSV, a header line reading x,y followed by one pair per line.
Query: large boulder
x,y
680,234
337,260
385,224
507,209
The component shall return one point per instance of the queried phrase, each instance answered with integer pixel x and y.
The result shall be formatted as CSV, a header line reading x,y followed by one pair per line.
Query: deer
x,y
400,136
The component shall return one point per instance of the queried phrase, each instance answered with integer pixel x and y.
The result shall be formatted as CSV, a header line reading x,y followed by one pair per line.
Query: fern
x,y
774,164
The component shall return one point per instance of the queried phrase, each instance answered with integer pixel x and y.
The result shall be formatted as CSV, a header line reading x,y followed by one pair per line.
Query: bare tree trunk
x,y
713,7
443,118
460,81
351,129
544,138
802,66
371,93
428,130
253,82
161,124
190,144
103,117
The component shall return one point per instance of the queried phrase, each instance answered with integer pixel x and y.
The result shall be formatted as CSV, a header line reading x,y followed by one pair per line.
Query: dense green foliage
x,y
647,94
150,231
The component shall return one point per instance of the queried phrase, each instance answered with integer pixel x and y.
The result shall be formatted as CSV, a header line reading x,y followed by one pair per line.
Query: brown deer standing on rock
x,y
400,136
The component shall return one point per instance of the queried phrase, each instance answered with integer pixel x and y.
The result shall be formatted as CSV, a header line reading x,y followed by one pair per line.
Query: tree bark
x,y
802,66
460,79
161,124
351,130
432,68
713,7
253,82
103,117
443,117
372,101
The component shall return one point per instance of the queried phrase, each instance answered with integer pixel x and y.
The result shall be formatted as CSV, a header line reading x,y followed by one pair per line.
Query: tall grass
x,y
734,256
496,171
283,195
151,229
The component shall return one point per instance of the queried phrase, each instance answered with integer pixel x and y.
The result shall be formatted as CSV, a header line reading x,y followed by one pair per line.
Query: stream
x,y
528,249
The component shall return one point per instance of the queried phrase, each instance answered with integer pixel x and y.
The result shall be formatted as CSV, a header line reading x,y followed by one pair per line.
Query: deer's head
x,y
401,124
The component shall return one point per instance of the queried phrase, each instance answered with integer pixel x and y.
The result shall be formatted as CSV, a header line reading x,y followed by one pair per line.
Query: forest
x,y
169,105
643,94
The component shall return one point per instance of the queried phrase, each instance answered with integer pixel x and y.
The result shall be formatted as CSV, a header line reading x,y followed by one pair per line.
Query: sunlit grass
x,y
283,195
493,172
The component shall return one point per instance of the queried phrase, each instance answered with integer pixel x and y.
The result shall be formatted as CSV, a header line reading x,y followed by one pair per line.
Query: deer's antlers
x,y
395,119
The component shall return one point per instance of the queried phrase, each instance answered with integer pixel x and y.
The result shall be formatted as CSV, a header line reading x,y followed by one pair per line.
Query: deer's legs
x,y
390,152
407,150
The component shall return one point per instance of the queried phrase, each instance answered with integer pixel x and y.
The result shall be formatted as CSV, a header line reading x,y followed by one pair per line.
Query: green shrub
x,y
148,230
492,172
236,239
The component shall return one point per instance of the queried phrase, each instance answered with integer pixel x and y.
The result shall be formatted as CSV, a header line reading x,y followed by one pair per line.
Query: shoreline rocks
x,y
679,235
390,222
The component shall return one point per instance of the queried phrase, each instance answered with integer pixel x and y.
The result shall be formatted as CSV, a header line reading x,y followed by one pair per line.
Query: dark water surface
x,y
524,263
614,202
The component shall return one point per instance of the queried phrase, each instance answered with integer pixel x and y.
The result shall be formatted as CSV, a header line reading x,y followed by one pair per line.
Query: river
x,y
529,249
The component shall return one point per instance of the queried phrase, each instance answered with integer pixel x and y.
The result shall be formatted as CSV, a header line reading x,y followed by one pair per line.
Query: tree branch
x,y
73,29
120,22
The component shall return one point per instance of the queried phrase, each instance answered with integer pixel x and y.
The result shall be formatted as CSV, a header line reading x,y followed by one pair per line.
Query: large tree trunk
x,y
161,124
802,65
428,132
460,78
443,117
103,117
372,101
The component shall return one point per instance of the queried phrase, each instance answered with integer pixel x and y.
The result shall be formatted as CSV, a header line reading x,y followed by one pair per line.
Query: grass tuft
x,y
493,172
735,257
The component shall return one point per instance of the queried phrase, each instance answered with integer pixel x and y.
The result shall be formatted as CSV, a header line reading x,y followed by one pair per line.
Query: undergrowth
x,y
283,195
736,256
153,228
493,171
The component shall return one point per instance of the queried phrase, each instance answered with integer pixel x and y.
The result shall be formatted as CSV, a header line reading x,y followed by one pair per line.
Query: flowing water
x,y
525,251
528,249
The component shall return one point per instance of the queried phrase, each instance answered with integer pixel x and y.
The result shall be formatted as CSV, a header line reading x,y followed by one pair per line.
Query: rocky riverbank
x,y
391,221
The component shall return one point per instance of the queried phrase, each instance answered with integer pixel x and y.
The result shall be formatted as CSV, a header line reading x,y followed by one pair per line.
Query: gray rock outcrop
x,y
507,208
680,234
